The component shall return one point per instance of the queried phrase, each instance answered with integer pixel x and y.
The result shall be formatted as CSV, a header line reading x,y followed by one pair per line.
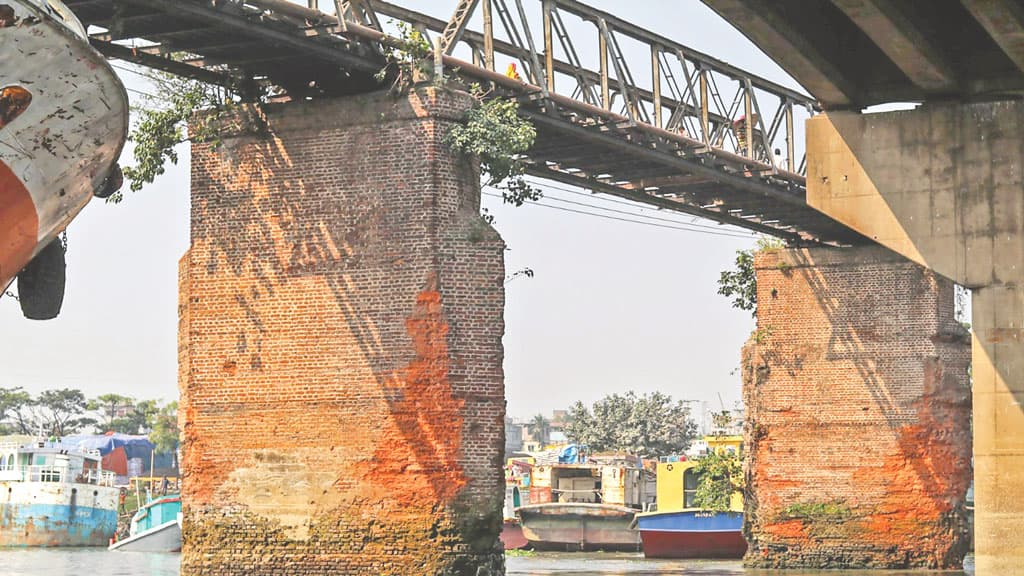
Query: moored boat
x,y
586,503
156,527
692,533
680,529
579,527
55,495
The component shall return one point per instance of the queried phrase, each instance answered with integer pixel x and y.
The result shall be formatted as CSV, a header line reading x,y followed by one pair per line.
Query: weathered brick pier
x,y
340,345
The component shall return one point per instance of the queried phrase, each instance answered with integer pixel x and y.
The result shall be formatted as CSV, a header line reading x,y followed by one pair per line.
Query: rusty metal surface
x,y
676,129
575,526
64,121
56,514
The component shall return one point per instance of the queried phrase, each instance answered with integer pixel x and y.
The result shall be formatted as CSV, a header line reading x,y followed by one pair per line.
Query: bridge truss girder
x,y
682,144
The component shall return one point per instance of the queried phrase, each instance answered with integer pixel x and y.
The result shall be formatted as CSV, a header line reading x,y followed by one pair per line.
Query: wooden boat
x,y
156,527
586,505
63,122
679,530
55,495
579,527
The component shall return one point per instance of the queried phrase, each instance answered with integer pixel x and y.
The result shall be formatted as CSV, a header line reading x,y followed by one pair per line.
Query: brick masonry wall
x,y
858,436
340,341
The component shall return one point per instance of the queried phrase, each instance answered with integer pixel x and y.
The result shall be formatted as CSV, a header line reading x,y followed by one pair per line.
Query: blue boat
x,y
156,527
55,495
678,529
692,533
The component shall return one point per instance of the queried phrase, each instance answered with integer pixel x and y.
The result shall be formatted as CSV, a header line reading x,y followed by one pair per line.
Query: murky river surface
x,y
102,563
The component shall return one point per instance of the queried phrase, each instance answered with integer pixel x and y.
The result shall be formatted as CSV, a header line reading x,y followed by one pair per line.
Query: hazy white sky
x,y
613,306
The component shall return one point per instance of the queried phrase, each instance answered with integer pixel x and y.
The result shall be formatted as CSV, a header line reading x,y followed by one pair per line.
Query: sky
x,y
612,306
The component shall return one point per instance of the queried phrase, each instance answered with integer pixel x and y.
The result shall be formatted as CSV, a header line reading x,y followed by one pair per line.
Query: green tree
x,y
63,411
165,434
15,415
719,476
540,429
740,283
139,418
649,425
108,406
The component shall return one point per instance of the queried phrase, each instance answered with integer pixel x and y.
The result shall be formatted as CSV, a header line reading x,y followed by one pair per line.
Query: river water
x,y
99,562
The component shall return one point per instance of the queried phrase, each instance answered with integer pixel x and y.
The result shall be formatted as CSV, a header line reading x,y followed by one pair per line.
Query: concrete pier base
x,y
943,186
340,346
998,372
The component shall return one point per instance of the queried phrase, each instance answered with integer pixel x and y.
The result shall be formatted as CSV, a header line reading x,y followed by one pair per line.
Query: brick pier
x,y
340,346
858,435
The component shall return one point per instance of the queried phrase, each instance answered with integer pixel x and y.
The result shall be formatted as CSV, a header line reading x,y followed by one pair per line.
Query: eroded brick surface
x,y
340,346
858,402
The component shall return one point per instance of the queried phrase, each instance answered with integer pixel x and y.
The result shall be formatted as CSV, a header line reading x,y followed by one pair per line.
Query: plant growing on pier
x,y
161,124
496,134
719,477
740,283
406,60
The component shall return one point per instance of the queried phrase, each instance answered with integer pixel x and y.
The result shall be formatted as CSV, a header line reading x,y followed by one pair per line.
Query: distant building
x,y
513,436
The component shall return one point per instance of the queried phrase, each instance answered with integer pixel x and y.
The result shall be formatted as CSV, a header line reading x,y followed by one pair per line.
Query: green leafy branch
x,y
162,122
406,59
496,134
719,477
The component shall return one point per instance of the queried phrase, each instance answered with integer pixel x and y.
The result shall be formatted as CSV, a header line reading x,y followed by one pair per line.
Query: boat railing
x,y
57,474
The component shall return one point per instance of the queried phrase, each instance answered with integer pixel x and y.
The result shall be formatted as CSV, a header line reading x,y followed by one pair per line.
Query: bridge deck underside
x,y
251,49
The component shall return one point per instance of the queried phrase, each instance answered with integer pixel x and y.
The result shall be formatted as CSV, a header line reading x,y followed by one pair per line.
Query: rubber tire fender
x,y
41,283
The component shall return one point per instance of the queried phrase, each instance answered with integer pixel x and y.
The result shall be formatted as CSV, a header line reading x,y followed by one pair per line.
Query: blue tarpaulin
x,y
134,446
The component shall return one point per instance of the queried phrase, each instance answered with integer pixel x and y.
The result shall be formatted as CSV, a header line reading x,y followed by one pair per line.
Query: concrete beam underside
x,y
943,185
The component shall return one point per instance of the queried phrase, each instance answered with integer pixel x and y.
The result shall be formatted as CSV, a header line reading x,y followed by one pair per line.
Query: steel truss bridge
x,y
652,120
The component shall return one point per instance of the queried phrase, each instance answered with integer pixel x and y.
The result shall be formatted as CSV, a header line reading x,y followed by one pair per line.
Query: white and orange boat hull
x,y
63,123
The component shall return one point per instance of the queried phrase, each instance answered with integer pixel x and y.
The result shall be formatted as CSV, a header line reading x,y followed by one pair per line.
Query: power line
x,y
672,220
605,216
632,203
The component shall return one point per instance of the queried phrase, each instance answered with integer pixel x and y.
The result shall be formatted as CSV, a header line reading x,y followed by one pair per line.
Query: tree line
x,y
67,411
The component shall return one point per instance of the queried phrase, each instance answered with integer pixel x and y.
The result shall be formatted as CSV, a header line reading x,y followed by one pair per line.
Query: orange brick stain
x,y
858,408
420,446
340,346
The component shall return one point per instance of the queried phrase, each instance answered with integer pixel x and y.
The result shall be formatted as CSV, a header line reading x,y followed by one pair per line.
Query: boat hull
x,y
579,527
63,122
692,534
163,538
56,514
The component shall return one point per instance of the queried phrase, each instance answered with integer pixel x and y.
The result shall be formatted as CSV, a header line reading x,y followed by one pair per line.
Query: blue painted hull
x,y
55,525
692,534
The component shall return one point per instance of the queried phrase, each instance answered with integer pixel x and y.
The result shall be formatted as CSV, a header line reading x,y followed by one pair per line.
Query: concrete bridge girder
x,y
942,185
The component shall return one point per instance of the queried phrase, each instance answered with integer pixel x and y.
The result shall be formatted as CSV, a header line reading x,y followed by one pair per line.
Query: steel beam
x,y
161,63
457,25
242,25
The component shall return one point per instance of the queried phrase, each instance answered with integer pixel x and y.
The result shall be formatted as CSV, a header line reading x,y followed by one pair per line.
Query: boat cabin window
x,y
689,487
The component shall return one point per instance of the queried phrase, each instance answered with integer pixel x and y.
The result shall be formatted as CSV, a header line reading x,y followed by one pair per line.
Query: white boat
x,y
156,527
55,495
63,122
